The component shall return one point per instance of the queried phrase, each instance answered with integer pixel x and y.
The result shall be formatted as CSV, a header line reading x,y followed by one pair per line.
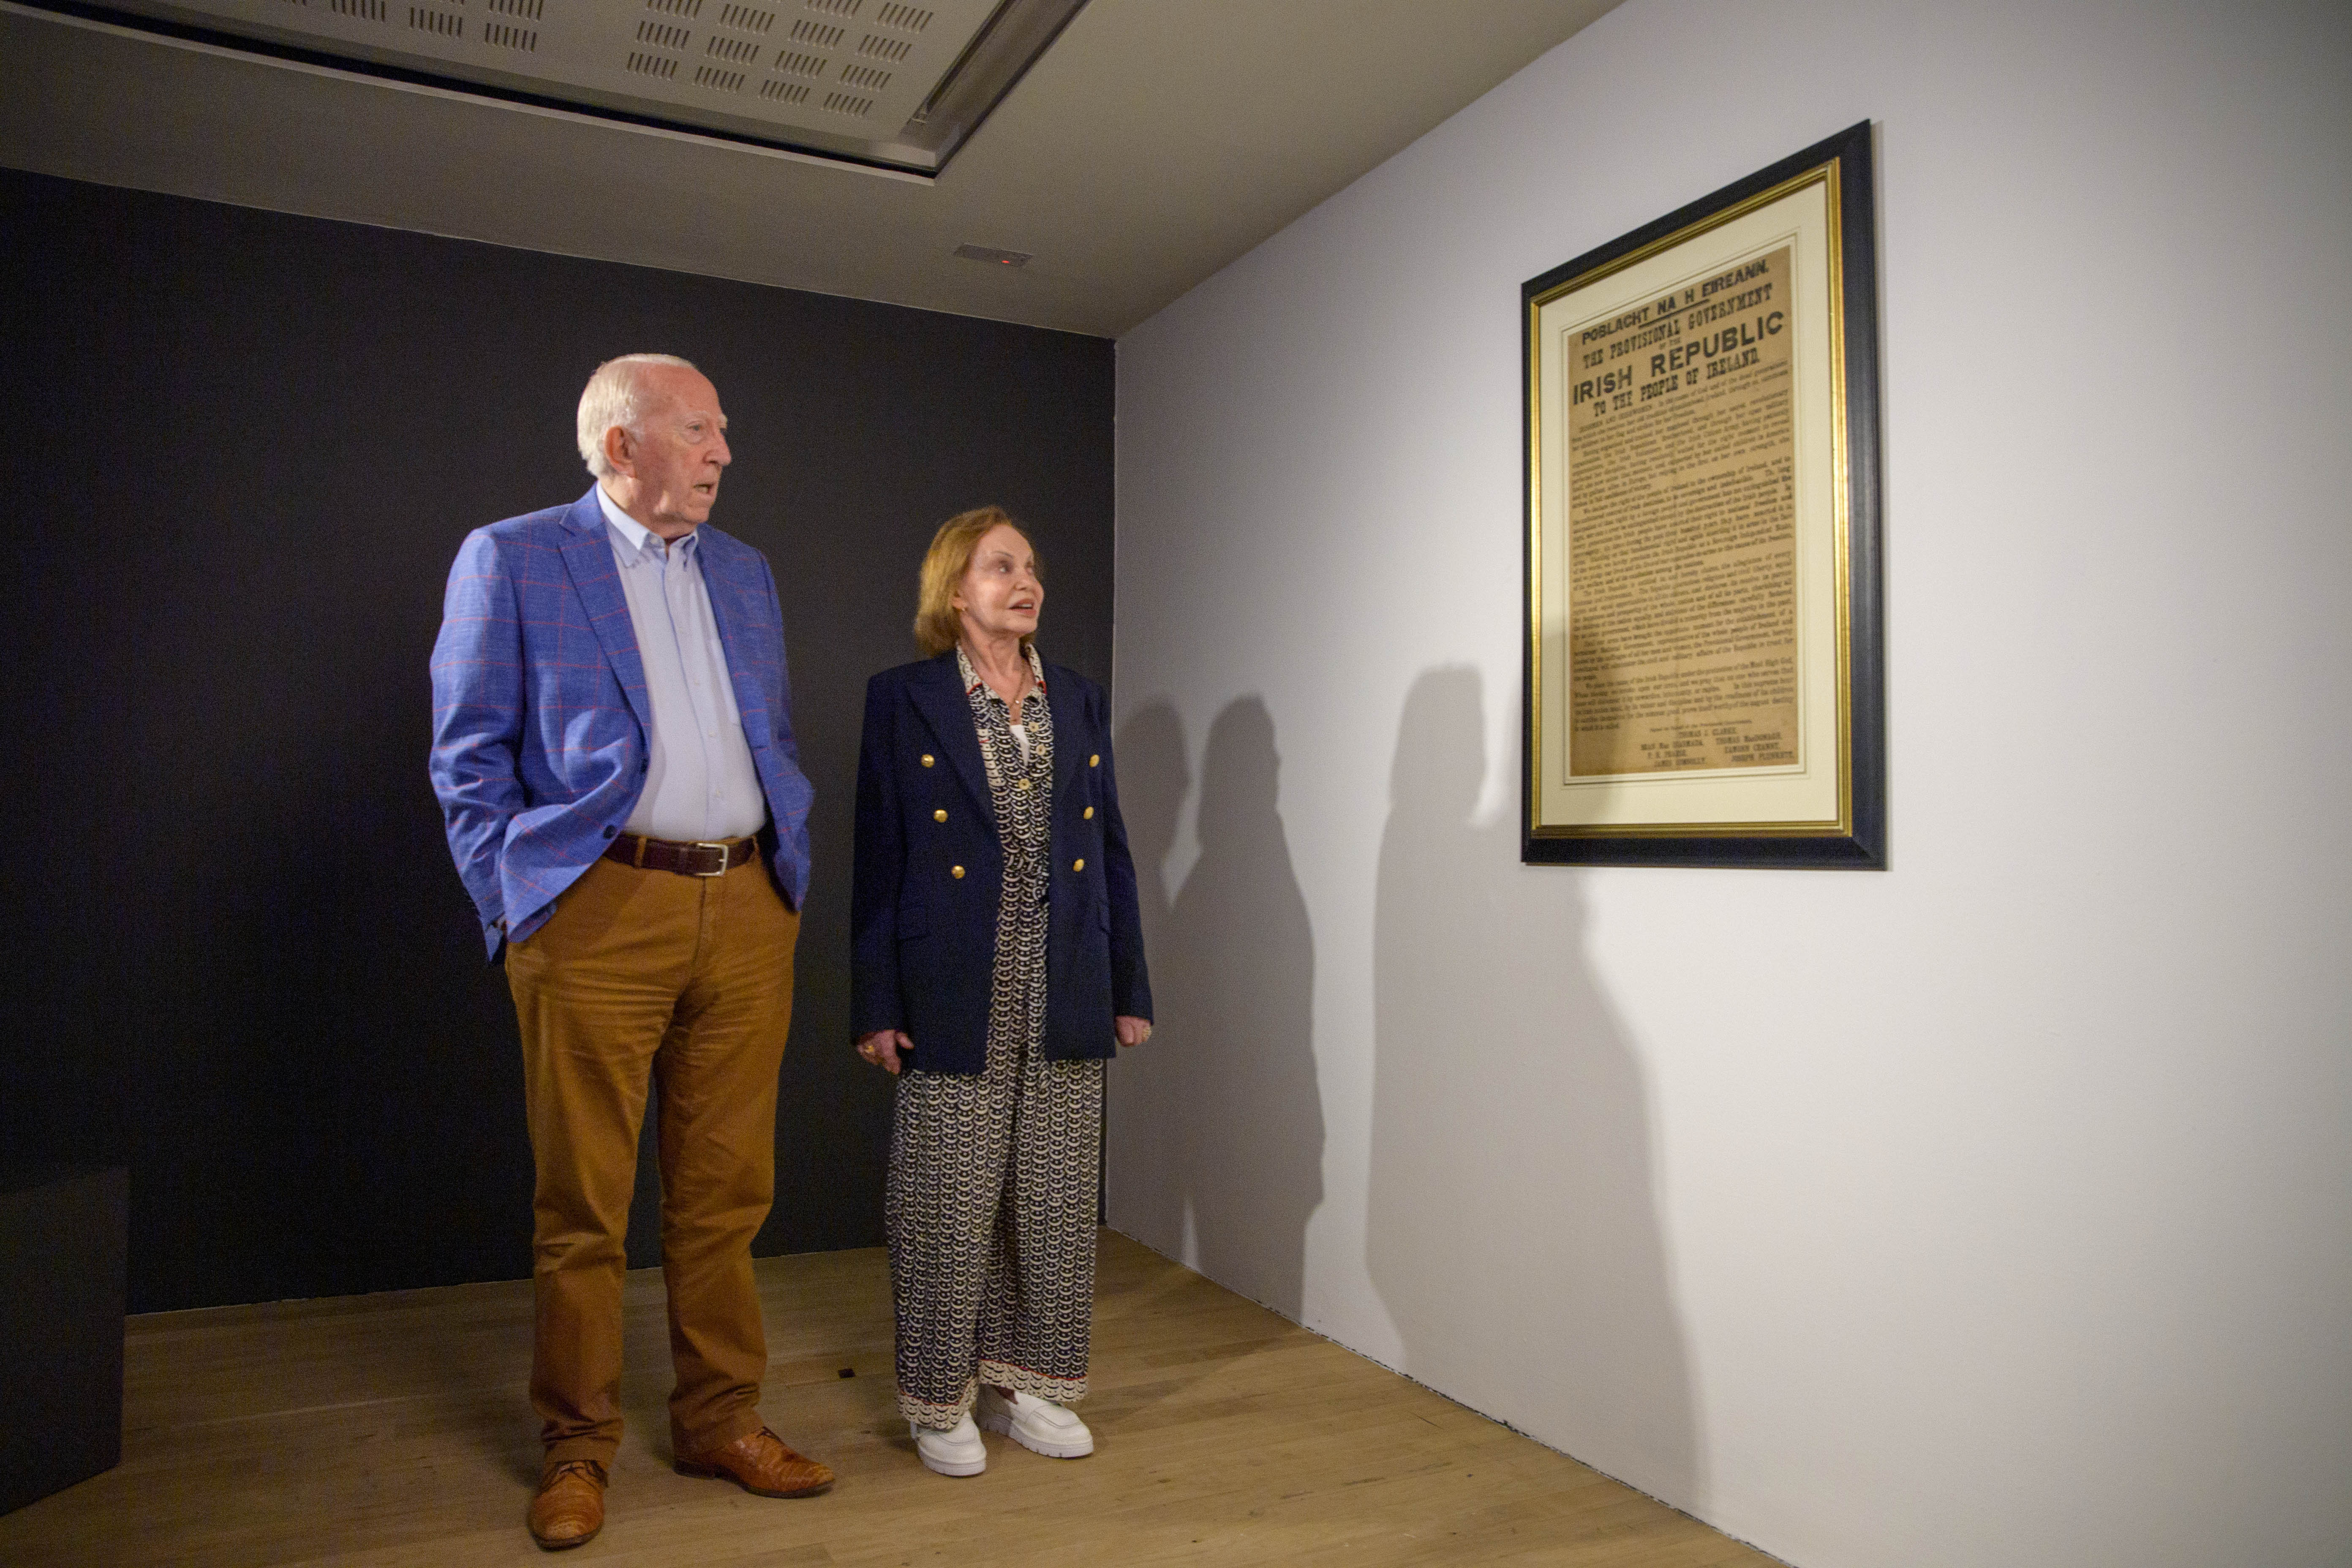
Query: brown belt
x,y
711,858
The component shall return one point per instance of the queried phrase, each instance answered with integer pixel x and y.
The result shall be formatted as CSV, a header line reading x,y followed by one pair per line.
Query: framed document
x,y
1704,679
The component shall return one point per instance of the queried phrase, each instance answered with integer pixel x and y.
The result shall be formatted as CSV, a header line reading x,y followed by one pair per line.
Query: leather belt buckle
x,y
719,844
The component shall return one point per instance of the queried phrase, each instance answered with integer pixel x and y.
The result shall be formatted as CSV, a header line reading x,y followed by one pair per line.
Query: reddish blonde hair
x,y
936,625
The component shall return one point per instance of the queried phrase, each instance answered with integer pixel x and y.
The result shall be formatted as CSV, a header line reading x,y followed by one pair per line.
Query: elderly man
x,y
613,748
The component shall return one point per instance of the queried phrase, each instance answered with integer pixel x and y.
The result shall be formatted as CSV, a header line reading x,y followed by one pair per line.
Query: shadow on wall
x,y
1511,1227
1216,1140
1144,1193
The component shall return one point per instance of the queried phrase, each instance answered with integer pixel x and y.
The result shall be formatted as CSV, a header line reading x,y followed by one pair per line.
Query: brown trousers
x,y
689,979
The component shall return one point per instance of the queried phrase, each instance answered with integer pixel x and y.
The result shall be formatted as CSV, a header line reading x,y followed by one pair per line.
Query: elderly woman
x,y
998,954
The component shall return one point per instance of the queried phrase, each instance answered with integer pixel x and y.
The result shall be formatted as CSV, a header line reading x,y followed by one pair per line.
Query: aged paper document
x,y
1704,632
1682,537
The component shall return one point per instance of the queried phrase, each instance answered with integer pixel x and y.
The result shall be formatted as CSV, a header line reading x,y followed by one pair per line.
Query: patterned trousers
x,y
990,1213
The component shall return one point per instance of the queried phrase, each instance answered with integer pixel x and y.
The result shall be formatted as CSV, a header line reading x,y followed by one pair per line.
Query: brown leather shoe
x,y
570,1508
759,1462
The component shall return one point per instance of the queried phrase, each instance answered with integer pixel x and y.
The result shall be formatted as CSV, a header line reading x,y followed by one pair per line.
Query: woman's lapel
x,y
939,697
1071,740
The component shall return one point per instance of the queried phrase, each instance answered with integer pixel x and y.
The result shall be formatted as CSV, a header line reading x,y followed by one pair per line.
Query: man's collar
x,y
635,532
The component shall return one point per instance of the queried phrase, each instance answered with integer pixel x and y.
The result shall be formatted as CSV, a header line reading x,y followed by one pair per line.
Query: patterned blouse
x,y
1021,789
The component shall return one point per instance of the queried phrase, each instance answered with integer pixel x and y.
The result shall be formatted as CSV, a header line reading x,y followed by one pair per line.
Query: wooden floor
x,y
380,1430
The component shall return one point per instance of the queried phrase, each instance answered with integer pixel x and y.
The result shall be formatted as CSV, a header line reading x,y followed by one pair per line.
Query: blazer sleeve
x,y
1130,981
780,728
478,701
875,999
782,716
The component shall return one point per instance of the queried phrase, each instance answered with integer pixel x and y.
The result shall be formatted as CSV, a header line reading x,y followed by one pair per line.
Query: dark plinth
x,y
61,1303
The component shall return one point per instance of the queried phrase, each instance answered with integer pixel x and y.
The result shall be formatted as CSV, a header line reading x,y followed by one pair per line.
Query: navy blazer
x,y
930,873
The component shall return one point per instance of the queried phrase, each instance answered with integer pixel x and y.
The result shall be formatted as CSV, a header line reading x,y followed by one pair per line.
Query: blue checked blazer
x,y
539,712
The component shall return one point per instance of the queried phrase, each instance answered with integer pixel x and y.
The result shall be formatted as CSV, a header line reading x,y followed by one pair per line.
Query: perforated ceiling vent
x,y
872,80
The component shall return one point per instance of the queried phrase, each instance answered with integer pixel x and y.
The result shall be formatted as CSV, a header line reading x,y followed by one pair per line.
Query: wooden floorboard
x,y
391,1431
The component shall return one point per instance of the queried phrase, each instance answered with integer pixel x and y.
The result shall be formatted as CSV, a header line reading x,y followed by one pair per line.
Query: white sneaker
x,y
954,1452
1038,1425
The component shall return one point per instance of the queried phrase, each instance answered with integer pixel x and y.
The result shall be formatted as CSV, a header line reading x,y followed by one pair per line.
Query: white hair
x,y
615,395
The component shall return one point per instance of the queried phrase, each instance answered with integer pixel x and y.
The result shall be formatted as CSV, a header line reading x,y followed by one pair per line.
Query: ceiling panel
x,y
1154,143
882,82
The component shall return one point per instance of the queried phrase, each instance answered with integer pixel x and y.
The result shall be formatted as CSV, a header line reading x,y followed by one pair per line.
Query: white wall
x,y
1996,1209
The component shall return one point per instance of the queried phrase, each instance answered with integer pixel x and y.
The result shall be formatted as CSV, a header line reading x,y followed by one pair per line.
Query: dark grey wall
x,y
242,450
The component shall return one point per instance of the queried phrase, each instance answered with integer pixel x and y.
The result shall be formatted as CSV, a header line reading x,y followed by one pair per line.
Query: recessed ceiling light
x,y
990,253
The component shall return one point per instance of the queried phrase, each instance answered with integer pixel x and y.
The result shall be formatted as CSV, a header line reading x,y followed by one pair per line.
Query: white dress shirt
x,y
700,784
